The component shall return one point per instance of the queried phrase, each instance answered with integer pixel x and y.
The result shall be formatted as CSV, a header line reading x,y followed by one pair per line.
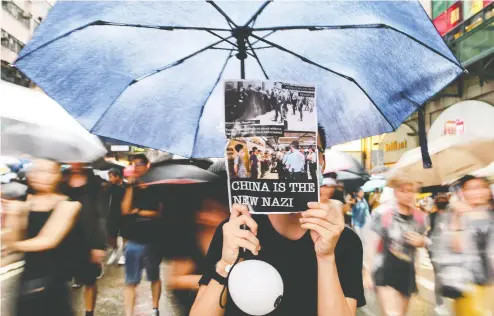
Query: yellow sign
x,y
394,146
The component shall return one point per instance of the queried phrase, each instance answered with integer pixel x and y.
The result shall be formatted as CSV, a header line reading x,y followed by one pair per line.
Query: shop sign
x,y
120,148
138,150
450,18
396,145
472,7
456,127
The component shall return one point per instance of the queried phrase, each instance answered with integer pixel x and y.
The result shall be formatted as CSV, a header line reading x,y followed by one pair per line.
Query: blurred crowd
x,y
69,223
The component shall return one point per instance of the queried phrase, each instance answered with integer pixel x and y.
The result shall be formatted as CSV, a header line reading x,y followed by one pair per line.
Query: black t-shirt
x,y
140,229
296,262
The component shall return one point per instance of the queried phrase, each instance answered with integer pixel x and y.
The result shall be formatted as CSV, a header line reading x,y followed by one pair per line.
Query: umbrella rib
x,y
228,19
223,38
327,69
356,26
177,62
204,105
102,23
259,11
258,61
270,33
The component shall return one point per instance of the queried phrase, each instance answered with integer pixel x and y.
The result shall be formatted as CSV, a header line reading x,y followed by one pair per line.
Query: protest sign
x,y
272,132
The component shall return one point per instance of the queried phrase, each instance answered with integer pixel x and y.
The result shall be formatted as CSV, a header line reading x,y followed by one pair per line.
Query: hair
x,y
295,145
400,179
141,157
464,180
254,148
115,172
322,134
239,147
331,175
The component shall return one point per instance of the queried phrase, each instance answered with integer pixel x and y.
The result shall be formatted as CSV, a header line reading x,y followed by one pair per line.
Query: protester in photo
x,y
265,161
463,249
254,161
84,186
239,164
310,250
302,102
46,237
275,105
312,162
295,163
115,194
280,156
395,232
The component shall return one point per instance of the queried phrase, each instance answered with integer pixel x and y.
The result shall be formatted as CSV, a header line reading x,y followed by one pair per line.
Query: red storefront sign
x,y
449,19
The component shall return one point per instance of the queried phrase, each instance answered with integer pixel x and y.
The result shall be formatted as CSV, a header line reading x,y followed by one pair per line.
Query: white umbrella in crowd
x,y
452,157
34,124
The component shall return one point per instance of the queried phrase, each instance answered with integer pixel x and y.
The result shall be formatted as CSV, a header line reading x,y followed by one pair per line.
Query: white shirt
x,y
295,161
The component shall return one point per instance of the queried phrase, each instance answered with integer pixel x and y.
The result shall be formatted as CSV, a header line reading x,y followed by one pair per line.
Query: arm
x,y
54,231
15,221
181,277
127,202
224,249
330,297
326,223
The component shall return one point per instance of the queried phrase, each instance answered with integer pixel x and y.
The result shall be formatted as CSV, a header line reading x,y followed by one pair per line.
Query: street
x,y
293,122
110,294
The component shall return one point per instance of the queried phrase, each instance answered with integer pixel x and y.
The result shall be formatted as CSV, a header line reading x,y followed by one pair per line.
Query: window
x,y
16,12
10,42
13,75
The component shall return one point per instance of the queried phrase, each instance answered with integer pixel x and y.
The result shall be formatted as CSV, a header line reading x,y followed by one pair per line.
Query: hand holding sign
x,y
234,237
326,224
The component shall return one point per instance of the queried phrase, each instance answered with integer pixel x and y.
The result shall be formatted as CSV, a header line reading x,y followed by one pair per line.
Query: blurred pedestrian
x,y
462,246
396,231
440,205
327,189
142,209
83,186
374,198
115,194
46,239
186,269
360,212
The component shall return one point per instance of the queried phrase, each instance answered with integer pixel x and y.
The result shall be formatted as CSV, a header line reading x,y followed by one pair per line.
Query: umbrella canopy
x,y
351,180
28,107
452,158
148,73
340,161
373,184
177,174
46,142
379,169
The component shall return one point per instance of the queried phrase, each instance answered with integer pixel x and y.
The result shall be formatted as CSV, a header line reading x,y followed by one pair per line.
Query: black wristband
x,y
220,279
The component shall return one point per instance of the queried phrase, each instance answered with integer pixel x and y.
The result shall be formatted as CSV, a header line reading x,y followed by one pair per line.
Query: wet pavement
x,y
110,297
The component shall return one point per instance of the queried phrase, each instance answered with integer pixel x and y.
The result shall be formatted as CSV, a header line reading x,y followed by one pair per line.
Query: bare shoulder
x,y
67,206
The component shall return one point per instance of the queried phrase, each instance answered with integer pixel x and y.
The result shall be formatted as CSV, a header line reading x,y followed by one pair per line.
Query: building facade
x,y
468,29
19,20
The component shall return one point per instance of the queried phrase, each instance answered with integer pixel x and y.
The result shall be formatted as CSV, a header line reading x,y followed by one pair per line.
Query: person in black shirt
x,y
115,194
319,259
254,170
83,186
141,208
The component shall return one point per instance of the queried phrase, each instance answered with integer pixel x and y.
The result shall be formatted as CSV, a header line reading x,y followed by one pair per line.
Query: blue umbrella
x,y
148,73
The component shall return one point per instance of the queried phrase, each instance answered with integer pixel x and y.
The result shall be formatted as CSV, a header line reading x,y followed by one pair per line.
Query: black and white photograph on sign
x,y
273,174
268,108
290,157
